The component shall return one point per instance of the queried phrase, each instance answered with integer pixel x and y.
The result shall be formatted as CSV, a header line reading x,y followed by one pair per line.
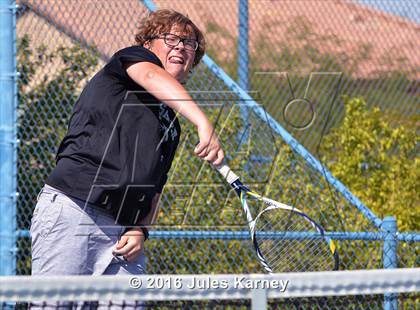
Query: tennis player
x,y
92,214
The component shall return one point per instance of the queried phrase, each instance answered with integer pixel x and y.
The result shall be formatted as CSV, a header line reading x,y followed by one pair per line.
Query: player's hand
x,y
130,244
209,147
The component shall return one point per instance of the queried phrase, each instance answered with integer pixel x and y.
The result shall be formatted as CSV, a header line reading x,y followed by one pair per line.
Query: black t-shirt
x,y
120,142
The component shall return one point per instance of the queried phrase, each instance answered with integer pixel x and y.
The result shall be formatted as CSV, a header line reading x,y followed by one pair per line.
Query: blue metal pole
x,y
150,5
389,225
243,74
8,96
243,45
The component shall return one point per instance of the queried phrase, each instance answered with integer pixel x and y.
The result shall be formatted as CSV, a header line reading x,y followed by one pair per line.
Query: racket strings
x,y
311,250
279,262
279,254
290,242
285,257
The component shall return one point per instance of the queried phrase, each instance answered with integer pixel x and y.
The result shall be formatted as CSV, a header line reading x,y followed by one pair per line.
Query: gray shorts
x,y
72,238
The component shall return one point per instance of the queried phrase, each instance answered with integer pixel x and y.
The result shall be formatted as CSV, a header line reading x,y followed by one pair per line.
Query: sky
x,y
409,9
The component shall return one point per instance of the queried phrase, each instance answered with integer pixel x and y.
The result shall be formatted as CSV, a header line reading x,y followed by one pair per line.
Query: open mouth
x,y
176,60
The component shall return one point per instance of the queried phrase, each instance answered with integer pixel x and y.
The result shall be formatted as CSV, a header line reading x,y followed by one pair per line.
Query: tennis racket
x,y
285,238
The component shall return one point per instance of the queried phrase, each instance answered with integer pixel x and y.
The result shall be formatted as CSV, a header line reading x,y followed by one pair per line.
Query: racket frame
x,y
241,190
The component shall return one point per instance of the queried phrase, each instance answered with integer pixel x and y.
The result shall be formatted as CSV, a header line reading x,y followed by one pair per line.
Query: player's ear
x,y
147,44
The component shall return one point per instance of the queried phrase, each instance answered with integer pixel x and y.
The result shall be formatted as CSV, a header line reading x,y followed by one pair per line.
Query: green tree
x,y
377,162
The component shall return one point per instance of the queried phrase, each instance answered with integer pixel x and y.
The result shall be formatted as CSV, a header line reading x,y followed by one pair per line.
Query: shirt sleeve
x,y
115,66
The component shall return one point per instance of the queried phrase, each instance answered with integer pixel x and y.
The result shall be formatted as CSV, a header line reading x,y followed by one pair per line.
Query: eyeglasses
x,y
173,40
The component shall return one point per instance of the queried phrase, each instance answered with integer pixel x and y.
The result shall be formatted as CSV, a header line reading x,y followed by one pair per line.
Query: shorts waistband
x,y
83,205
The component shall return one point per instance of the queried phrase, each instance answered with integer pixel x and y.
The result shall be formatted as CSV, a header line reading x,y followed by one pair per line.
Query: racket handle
x,y
227,173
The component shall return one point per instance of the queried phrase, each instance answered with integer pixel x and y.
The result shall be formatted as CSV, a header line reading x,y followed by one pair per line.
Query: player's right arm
x,y
168,90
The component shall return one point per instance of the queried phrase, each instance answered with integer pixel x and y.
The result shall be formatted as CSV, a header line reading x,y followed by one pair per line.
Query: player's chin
x,y
177,71
181,78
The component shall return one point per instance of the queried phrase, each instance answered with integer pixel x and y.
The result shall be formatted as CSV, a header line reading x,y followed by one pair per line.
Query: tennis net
x,y
362,289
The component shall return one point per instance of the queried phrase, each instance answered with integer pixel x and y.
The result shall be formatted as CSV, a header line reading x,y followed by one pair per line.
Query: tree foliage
x,y
378,162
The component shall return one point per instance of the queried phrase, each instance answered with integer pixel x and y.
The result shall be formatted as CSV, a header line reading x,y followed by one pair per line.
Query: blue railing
x,y
8,142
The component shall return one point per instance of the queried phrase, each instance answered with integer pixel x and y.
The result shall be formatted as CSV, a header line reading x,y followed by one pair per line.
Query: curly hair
x,y
162,21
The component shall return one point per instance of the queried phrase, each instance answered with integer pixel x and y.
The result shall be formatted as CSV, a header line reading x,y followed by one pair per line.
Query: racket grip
x,y
227,173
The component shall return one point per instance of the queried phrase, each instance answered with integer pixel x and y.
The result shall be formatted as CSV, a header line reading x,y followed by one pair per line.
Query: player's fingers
x,y
120,252
211,156
123,240
201,149
133,249
124,250
120,247
204,153
220,157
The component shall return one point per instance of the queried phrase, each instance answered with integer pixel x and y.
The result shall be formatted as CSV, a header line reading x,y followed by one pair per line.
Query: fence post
x,y
259,299
243,70
150,5
389,226
243,45
7,137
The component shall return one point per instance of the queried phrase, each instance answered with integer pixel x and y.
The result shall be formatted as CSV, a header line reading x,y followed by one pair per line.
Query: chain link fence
x,y
304,56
